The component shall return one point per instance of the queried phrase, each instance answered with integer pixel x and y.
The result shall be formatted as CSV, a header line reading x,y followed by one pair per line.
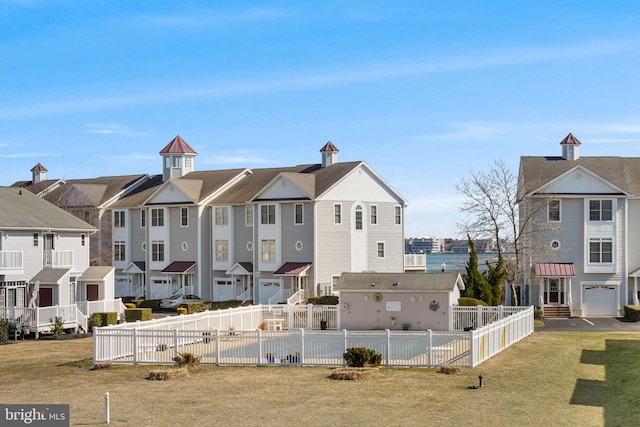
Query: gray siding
x,y
292,233
333,245
241,236
392,235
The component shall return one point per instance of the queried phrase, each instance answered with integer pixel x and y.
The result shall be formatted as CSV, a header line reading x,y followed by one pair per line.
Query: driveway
x,y
590,324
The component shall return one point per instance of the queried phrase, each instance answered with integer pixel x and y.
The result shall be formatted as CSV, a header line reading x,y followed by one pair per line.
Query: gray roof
x,y
622,172
96,273
444,282
49,275
21,209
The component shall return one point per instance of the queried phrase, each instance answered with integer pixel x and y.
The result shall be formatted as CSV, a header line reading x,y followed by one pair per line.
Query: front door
x,y
46,297
554,291
93,292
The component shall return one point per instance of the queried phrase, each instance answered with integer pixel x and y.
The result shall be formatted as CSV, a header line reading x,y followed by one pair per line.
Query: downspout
x,y
200,212
314,278
625,270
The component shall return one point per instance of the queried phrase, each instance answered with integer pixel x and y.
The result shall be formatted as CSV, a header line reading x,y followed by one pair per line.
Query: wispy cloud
x,y
26,155
112,129
309,79
206,18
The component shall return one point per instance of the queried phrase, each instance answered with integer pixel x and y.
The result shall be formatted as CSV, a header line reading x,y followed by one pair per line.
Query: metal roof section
x,y
178,146
558,269
179,267
293,269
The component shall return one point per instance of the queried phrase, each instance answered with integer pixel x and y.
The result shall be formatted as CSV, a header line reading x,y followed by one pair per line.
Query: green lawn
x,y
548,379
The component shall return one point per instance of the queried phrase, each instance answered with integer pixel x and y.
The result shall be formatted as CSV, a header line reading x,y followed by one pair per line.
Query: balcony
x,y
60,259
11,262
415,262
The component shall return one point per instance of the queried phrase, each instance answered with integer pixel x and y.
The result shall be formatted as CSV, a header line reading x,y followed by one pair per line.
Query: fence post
x,y
175,343
472,348
388,357
345,346
500,312
135,346
452,325
430,347
301,359
217,346
479,319
260,349
310,316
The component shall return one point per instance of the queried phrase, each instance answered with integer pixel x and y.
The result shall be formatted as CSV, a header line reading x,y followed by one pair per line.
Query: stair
x,y
557,312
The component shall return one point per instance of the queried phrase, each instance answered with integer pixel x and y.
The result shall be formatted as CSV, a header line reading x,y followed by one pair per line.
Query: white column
x,y
570,299
635,291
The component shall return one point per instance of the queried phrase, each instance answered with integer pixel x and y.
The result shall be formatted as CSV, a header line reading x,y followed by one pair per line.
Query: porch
x,y
554,295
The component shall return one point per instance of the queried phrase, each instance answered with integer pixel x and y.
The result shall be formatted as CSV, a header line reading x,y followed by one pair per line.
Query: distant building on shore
x,y
422,245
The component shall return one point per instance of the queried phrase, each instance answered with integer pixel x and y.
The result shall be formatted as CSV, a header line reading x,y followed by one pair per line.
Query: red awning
x,y
179,267
293,269
555,269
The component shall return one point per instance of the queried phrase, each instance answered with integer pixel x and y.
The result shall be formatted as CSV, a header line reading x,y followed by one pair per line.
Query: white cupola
x,y
178,159
329,154
38,174
570,147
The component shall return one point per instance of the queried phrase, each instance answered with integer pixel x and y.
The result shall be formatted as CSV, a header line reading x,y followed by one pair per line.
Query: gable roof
x,y
20,209
621,172
374,282
39,168
49,275
96,272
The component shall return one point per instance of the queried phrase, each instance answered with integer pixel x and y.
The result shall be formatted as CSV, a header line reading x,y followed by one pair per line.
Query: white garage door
x,y
599,300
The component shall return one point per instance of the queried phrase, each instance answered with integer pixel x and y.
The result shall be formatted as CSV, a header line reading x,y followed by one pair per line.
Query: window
x,y
184,217
374,214
118,219
187,162
175,161
157,250
268,250
299,213
222,250
601,250
337,214
157,217
248,216
554,210
35,239
222,215
358,218
380,249
600,210
398,215
119,251
83,240
268,214
143,218
167,162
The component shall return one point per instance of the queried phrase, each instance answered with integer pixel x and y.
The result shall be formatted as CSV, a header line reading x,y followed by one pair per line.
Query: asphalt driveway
x,y
590,324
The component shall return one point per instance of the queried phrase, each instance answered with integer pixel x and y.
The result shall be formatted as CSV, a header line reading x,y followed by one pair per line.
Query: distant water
x,y
455,262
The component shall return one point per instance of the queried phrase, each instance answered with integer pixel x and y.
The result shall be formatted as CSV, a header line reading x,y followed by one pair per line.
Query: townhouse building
x,y
263,235
44,253
581,220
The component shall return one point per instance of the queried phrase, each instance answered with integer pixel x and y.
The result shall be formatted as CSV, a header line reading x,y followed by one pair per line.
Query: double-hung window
x,y
398,215
268,250
374,214
157,217
600,250
337,213
553,209
222,215
157,250
298,213
119,250
184,217
268,214
600,210
222,250
118,219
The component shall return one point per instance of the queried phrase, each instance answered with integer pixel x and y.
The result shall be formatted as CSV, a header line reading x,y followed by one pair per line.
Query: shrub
x,y
168,375
354,374
632,312
188,360
358,357
181,310
57,327
95,320
470,302
4,330
130,305
538,314
449,369
324,300
135,314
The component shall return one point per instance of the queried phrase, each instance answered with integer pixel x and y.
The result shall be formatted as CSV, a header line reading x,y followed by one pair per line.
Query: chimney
x,y
38,174
570,147
329,154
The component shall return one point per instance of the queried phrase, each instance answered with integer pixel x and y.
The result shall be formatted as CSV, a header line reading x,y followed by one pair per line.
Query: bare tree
x,y
497,209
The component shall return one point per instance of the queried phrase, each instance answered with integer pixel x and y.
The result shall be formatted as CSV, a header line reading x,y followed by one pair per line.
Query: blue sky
x,y
423,91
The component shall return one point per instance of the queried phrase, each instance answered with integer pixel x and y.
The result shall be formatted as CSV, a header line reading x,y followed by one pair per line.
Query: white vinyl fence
x,y
468,318
234,337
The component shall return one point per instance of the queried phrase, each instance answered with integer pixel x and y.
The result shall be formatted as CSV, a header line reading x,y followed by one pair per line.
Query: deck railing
x,y
11,260
474,317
